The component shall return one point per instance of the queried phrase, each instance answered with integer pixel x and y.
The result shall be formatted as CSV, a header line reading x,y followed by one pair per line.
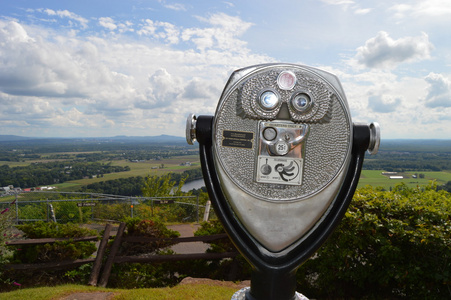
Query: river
x,y
195,184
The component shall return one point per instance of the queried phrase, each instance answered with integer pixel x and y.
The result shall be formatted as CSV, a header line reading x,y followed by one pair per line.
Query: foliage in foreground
x,y
6,218
146,228
135,275
390,244
182,292
61,250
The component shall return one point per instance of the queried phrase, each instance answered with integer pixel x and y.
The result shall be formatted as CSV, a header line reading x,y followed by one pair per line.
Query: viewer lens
x,y
269,100
301,102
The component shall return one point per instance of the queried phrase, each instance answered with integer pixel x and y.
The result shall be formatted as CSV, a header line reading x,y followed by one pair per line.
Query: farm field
x,y
142,168
375,178
133,157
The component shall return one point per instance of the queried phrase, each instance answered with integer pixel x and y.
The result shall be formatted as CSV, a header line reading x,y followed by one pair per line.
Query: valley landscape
x,y
81,164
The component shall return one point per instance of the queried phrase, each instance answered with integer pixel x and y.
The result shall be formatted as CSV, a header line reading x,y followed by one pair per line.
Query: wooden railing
x,y
104,271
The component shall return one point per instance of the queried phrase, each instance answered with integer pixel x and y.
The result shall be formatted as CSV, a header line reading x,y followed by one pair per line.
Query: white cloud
x,y
160,30
67,14
108,23
222,35
384,104
384,52
143,76
176,6
349,5
113,26
338,2
422,8
397,103
112,85
173,6
58,68
362,11
200,89
438,91
148,28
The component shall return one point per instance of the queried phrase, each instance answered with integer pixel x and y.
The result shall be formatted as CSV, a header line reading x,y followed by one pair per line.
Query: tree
x,y
163,186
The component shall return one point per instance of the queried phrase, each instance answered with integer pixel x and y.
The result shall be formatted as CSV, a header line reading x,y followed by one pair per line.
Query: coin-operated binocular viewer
x,y
281,160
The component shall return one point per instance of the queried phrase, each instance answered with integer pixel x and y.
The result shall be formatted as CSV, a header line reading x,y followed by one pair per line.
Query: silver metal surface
x,y
280,212
191,129
241,295
375,138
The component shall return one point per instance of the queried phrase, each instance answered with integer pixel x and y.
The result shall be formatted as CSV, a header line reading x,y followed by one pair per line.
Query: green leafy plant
x,y
217,246
132,275
111,211
80,274
390,244
228,269
6,220
135,275
60,250
147,228
162,186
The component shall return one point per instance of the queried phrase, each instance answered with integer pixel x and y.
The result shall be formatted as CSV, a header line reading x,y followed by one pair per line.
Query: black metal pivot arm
x,y
274,274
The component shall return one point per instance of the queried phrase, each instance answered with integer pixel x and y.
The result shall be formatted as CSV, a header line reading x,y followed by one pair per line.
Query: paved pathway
x,y
187,230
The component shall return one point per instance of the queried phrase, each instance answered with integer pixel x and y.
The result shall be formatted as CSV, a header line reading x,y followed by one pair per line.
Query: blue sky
x,y
105,68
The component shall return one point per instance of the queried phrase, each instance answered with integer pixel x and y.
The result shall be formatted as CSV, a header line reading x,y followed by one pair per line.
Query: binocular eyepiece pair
x,y
281,159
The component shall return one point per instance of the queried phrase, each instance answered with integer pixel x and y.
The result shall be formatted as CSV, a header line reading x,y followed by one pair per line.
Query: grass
x,y
12,164
151,166
180,292
375,178
142,169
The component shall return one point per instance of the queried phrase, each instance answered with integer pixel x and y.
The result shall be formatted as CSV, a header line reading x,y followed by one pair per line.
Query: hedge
x,y
390,244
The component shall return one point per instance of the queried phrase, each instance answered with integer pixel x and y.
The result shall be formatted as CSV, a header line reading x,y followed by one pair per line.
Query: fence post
x,y
100,253
111,257
17,209
48,209
52,212
197,210
207,211
91,199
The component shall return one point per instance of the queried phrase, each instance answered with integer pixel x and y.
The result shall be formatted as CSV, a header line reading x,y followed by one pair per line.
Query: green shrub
x,y
79,275
7,213
41,229
133,275
217,246
69,212
112,211
33,211
146,228
390,244
61,250
6,218
227,269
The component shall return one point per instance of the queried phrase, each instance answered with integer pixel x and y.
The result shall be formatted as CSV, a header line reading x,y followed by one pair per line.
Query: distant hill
x,y
411,145
156,139
166,139
13,138
414,145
